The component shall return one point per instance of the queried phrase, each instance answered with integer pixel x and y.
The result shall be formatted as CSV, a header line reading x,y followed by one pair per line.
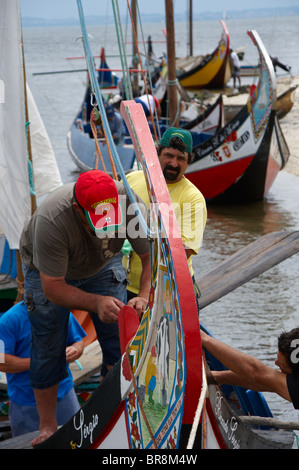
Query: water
x,y
251,317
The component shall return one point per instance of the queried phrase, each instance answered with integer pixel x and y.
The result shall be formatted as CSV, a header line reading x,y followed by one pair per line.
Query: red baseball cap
x,y
96,192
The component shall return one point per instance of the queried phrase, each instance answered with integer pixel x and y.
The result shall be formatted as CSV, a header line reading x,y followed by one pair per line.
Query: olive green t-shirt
x,y
56,242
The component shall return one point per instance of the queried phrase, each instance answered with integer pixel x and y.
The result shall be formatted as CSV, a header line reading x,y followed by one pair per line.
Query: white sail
x,y
45,169
15,207
14,190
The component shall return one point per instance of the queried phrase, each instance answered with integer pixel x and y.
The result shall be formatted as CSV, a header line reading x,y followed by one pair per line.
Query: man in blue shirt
x,y
116,124
15,334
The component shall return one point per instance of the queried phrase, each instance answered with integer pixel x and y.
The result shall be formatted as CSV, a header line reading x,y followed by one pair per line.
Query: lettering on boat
x,y
86,429
229,425
241,141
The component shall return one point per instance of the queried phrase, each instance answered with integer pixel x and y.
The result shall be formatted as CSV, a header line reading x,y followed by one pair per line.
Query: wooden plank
x,y
246,264
19,442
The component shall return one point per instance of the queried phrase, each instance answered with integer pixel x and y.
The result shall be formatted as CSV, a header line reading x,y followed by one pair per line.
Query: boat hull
x,y
213,72
248,177
83,151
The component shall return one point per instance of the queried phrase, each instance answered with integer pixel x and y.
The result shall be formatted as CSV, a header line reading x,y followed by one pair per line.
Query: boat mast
x,y
135,61
172,89
190,27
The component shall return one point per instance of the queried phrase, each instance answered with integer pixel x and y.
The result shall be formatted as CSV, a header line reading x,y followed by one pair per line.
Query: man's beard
x,y
171,175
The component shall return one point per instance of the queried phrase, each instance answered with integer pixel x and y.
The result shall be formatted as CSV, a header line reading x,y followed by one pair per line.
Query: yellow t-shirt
x,y
191,212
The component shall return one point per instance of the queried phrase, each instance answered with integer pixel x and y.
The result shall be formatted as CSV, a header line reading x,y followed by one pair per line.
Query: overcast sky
x,y
68,8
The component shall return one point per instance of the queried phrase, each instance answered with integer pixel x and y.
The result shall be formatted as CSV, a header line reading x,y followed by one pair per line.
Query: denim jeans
x,y
24,419
49,322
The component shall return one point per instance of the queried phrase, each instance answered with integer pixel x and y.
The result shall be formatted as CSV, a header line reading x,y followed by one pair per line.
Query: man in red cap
x,y
71,253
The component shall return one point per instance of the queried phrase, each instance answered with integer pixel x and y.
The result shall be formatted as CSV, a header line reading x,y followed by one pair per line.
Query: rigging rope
x,y
123,56
100,104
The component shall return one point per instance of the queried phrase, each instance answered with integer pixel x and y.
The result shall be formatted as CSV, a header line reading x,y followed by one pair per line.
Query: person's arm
x,y
189,252
74,351
139,302
228,377
59,292
249,370
13,364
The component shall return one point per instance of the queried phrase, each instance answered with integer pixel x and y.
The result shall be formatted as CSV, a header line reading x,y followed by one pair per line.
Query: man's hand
x,y
108,308
139,303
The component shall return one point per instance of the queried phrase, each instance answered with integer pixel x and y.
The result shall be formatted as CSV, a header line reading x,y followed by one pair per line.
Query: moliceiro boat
x,y
241,161
164,348
211,72
180,411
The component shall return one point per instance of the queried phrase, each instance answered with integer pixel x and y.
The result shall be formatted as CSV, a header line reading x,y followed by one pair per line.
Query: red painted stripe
x,y
215,180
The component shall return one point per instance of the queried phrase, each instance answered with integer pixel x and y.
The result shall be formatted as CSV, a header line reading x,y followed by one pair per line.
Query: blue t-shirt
x,y
293,387
15,332
117,126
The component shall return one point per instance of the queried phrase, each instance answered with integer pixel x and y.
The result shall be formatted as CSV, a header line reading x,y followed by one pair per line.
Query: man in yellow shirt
x,y
175,154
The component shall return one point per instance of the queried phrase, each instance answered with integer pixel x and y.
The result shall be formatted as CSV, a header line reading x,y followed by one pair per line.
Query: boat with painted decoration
x,y
211,72
242,160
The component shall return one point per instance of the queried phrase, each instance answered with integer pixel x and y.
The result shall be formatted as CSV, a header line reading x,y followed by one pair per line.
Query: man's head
x,y
175,153
96,193
288,351
110,112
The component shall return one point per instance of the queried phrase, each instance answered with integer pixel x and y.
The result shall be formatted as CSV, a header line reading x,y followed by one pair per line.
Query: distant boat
x,y
241,161
212,71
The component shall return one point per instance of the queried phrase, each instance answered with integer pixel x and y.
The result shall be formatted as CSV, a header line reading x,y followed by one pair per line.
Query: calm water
x,y
251,317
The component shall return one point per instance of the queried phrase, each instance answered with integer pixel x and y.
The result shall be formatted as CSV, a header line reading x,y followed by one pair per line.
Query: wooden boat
x,y
285,101
252,70
123,412
266,252
82,147
212,71
241,161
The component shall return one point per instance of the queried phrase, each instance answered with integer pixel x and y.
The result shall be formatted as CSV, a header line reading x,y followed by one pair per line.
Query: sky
x,y
68,8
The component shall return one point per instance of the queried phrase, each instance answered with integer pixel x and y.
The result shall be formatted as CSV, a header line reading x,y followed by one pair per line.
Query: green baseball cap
x,y
183,134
